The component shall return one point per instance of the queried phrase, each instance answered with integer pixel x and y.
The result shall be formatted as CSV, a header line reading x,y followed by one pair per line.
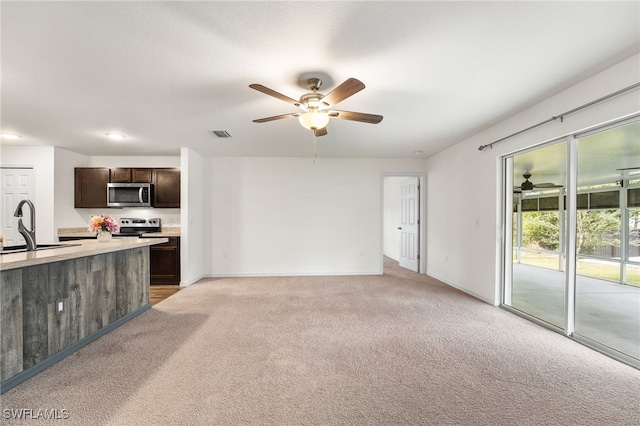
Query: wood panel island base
x,y
54,302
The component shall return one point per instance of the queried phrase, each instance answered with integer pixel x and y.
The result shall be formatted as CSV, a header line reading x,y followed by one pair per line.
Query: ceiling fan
x,y
317,108
527,185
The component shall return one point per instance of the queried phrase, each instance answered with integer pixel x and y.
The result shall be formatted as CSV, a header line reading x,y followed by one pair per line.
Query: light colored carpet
x,y
401,348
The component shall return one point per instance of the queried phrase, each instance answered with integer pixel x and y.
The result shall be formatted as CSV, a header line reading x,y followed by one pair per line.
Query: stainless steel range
x,y
135,227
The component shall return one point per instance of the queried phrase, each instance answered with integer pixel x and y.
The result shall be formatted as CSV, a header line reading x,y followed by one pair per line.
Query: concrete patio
x,y
606,312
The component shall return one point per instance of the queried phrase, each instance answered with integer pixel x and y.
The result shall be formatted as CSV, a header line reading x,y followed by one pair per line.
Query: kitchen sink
x,y
23,248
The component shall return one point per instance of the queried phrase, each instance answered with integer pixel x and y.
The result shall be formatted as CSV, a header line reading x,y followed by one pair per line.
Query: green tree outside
x,y
595,229
541,230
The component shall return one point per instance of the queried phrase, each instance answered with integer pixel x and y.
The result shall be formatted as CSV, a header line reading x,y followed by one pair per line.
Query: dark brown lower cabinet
x,y
165,262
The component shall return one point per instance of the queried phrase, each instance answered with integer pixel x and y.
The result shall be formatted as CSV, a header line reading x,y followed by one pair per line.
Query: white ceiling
x,y
166,73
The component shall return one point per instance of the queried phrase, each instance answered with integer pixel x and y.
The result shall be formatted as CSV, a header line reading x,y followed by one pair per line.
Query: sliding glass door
x,y
574,205
607,302
537,264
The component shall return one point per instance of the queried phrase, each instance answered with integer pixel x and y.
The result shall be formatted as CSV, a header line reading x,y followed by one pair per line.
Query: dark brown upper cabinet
x,y
126,175
91,187
142,175
166,187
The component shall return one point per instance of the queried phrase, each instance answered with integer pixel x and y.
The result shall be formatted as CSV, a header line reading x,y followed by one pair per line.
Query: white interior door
x,y
17,184
410,224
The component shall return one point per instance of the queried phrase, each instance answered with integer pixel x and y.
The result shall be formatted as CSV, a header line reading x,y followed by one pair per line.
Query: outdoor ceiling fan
x,y
527,185
317,109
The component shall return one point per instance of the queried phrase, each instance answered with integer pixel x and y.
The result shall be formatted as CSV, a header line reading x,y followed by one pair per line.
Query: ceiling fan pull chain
x,y
315,148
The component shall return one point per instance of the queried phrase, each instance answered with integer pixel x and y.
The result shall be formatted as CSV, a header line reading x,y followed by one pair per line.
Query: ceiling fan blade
x,y
320,132
629,168
547,185
270,92
348,88
275,117
357,116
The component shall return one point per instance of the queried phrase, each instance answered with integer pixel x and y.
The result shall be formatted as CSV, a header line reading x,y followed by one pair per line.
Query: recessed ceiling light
x,y
115,136
418,152
9,136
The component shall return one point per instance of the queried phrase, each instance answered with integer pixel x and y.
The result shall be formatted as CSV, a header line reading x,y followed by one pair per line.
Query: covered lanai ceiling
x,y
604,156
166,74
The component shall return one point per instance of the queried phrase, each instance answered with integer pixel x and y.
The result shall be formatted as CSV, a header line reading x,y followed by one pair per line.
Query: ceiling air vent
x,y
220,133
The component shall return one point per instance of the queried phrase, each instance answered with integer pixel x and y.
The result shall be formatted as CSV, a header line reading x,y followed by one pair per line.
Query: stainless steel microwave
x,y
129,194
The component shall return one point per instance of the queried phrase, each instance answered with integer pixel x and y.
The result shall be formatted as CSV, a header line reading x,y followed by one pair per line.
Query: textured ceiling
x,y
166,73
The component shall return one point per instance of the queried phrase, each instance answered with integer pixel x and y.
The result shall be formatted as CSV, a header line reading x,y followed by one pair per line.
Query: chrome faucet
x,y
28,234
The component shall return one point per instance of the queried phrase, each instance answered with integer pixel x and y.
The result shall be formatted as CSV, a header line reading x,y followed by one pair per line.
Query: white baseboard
x,y
464,290
315,274
289,274
189,282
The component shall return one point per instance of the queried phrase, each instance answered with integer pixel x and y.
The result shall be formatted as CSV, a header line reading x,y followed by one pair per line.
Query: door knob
x,y
399,227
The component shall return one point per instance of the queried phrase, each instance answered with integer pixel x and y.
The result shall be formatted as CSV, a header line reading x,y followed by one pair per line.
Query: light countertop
x,y
73,250
167,231
173,231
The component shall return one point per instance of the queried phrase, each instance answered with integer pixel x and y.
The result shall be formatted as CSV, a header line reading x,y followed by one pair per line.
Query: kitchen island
x,y
55,301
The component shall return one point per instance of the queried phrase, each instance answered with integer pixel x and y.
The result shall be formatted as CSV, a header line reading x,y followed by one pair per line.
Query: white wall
x,y
463,183
391,217
41,158
65,216
287,216
192,209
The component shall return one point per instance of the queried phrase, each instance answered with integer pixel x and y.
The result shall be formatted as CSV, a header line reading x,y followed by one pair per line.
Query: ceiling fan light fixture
x,y
527,186
115,136
314,103
314,120
316,106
